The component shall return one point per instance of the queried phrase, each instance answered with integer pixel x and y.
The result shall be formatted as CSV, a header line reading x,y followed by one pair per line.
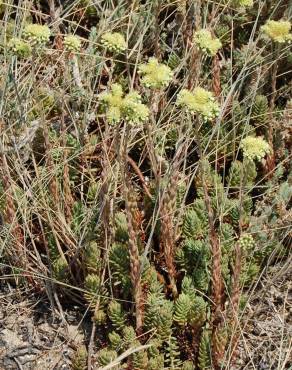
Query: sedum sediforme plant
x,y
155,75
204,40
119,107
255,148
72,43
36,35
145,171
199,101
114,42
243,3
20,48
80,357
277,31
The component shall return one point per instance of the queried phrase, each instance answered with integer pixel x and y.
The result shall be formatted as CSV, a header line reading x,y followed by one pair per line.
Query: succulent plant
x,y
36,35
119,107
145,169
72,43
255,148
278,31
199,101
204,40
20,48
114,42
155,75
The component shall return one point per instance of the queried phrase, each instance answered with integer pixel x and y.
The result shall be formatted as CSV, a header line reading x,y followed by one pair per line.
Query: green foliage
x,y
99,317
212,179
195,224
182,309
158,316
172,357
187,287
194,258
129,336
173,61
105,356
189,309
197,315
156,363
238,210
79,361
115,340
60,269
204,360
116,315
153,351
242,174
92,256
78,214
260,110
94,290
155,358
140,360
92,285
154,286
121,227
120,266
227,237
107,98
2,197
188,365
249,272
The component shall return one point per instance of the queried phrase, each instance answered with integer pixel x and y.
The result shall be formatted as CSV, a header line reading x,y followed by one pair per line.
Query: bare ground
x,y
266,331
31,337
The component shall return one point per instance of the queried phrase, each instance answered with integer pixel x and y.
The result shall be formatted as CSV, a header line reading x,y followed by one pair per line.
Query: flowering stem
x,y
131,211
216,263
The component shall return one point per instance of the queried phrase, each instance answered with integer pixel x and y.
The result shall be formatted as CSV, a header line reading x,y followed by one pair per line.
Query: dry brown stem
x,y
131,212
235,297
216,76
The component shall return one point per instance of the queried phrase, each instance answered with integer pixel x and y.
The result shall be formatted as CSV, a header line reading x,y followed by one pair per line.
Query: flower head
x,y
128,108
243,3
113,101
255,148
155,75
72,43
199,101
204,40
278,31
20,48
247,242
36,34
114,42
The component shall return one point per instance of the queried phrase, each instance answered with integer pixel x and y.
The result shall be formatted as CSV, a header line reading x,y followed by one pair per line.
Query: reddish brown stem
x,y
131,212
235,297
216,76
